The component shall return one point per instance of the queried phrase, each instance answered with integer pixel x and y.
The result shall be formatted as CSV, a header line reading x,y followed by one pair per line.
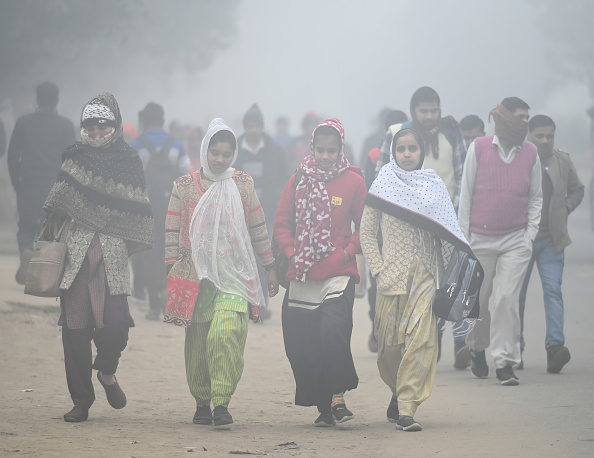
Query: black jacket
x,y
274,173
36,146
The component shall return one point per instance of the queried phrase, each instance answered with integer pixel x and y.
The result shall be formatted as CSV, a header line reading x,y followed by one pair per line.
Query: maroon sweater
x,y
348,186
501,191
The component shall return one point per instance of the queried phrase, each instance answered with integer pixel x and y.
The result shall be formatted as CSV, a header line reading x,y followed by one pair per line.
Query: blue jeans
x,y
550,268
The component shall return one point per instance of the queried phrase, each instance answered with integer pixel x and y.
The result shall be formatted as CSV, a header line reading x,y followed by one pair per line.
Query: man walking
x,y
562,192
500,205
34,158
164,160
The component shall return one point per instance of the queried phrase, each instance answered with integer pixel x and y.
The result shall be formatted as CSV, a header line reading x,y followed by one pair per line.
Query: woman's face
x,y
219,157
96,131
326,150
407,153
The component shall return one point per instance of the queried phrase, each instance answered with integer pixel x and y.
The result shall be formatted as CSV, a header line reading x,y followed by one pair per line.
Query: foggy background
x,y
202,59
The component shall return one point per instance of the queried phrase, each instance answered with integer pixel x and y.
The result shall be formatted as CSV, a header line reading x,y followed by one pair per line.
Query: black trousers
x,y
318,345
110,341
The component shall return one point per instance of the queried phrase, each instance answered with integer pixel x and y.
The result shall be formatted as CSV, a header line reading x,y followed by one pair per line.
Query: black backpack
x,y
160,172
457,295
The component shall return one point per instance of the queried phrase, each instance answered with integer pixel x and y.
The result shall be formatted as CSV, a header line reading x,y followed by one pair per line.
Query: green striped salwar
x,y
215,341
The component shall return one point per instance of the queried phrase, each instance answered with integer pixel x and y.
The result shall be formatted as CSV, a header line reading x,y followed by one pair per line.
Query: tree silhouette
x,y
77,41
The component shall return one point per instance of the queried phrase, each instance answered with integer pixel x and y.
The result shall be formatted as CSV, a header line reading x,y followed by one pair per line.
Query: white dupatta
x,y
219,237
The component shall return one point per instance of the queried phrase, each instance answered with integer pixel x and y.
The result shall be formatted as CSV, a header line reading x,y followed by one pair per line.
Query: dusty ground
x,y
547,415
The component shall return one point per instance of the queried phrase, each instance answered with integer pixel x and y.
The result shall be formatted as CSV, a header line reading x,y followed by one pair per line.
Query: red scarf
x,y
312,206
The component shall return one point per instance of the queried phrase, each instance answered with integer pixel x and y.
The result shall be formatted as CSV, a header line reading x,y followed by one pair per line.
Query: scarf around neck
x,y
420,198
312,206
219,237
103,188
509,128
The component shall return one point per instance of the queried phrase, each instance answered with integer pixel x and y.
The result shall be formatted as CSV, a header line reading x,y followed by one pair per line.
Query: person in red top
x,y
313,228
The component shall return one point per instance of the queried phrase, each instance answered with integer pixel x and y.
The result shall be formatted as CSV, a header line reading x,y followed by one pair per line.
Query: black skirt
x,y
318,345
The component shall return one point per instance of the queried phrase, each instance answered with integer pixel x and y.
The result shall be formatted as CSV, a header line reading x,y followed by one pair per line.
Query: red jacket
x,y
348,191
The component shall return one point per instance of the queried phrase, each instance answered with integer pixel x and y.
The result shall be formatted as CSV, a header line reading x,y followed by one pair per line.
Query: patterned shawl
x,y
104,189
312,206
420,198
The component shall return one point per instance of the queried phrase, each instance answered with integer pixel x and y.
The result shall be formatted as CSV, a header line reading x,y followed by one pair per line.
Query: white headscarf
x,y
219,237
419,197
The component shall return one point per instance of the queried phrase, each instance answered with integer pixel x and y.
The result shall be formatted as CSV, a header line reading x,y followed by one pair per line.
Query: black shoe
x,y
557,357
203,416
406,423
153,315
221,416
462,357
341,413
372,343
393,410
325,419
506,376
478,364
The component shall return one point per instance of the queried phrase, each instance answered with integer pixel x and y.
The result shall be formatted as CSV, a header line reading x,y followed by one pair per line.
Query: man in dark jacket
x,y
562,192
34,159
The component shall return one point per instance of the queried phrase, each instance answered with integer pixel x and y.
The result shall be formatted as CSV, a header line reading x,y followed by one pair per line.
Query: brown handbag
x,y
46,268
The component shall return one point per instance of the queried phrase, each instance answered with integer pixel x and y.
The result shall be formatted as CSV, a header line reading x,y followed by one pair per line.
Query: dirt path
x,y
546,415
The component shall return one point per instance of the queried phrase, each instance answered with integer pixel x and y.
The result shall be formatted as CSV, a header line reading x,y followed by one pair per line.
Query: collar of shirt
x,y
254,151
508,156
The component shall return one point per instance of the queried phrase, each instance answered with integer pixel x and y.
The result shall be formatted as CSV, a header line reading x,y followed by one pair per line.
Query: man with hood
x,y
499,213
34,159
446,152
562,192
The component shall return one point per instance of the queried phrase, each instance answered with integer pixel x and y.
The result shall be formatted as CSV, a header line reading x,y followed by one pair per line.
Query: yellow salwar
x,y
406,332
214,346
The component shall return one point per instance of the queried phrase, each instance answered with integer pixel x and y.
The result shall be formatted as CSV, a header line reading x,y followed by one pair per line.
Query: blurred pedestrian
x,y
313,228
412,206
213,286
130,133
164,159
500,207
298,148
264,160
472,126
374,140
34,159
282,136
562,192
100,194
193,142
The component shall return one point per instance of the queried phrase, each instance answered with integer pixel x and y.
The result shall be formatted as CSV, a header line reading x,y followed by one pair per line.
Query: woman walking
x,y
100,195
214,220
412,206
313,228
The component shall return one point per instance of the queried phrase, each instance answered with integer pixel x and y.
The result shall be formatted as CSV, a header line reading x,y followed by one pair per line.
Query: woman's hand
x,y
272,283
292,259
347,257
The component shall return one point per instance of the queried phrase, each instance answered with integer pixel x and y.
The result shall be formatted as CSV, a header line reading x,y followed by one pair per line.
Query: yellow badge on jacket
x,y
336,200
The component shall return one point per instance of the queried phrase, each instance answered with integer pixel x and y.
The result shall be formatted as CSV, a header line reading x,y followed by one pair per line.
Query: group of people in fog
x,y
199,229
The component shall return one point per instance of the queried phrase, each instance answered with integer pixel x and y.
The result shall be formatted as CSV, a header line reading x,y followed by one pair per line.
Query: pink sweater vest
x,y
501,191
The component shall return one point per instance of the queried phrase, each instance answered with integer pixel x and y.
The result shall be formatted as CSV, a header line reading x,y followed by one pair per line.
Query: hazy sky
x,y
349,59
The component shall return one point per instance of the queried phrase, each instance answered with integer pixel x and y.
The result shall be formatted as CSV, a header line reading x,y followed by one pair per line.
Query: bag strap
x,y
164,151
